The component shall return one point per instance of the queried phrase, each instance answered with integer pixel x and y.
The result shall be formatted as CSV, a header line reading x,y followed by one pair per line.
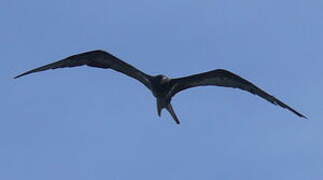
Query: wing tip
x,y
16,77
302,116
25,73
298,114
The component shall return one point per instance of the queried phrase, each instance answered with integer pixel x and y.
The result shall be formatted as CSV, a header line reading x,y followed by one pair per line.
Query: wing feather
x,y
99,59
225,78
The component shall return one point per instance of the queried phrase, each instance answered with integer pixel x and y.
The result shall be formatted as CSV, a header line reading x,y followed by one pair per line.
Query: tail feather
x,y
172,112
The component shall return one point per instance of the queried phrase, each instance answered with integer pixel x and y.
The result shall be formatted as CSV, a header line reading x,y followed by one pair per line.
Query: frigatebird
x,y
162,87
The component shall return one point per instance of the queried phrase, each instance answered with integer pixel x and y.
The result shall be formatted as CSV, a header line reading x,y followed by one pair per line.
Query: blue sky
x,y
87,123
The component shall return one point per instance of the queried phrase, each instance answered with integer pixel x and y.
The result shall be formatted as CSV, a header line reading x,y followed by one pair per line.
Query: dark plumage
x,y
162,87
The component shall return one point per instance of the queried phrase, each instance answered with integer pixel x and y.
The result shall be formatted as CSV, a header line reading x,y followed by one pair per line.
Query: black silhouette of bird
x,y
162,87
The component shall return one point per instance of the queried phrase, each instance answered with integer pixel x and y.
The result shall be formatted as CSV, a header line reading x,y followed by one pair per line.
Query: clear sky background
x,y
87,123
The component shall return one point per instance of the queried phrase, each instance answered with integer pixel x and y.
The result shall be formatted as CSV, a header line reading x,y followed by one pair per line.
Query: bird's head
x,y
160,85
161,78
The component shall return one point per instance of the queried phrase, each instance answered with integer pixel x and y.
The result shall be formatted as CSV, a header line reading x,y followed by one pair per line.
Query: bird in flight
x,y
162,87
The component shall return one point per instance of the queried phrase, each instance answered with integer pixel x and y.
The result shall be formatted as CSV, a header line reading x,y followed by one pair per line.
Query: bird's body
x,y
162,87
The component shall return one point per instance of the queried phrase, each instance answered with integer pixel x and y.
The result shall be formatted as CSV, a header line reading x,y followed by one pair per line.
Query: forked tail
x,y
172,112
166,104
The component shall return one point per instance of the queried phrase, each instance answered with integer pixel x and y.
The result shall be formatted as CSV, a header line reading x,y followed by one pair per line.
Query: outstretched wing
x,y
225,78
99,59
